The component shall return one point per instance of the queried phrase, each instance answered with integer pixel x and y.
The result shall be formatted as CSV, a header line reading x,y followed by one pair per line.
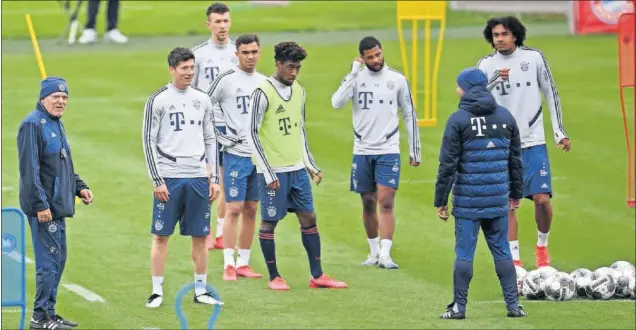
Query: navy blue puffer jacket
x,y
480,158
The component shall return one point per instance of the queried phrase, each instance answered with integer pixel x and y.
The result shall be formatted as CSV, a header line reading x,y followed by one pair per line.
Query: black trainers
x,y
519,312
48,323
451,314
61,320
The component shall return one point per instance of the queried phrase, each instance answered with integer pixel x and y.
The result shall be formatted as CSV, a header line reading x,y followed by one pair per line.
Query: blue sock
x,y
508,279
266,238
311,242
462,275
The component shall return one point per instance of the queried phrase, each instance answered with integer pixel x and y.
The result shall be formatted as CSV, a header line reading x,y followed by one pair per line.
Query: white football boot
x,y
89,36
206,298
154,301
372,260
387,262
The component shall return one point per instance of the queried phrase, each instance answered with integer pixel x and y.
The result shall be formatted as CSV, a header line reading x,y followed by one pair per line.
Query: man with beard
x,y
518,76
377,92
178,137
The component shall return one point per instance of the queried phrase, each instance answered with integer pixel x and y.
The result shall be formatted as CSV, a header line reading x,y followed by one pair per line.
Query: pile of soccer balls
x,y
616,281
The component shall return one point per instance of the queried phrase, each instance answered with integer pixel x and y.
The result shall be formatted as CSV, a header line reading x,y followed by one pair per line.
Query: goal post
x,y
427,11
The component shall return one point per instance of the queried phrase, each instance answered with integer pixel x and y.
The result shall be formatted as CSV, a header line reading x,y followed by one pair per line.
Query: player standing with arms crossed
x,y
232,90
178,136
213,57
377,91
517,77
279,144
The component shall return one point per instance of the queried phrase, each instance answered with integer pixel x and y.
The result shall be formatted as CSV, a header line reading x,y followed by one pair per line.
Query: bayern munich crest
x,y
609,11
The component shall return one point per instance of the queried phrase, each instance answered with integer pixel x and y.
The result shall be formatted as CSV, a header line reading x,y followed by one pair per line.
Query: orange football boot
x,y
218,243
325,281
517,263
229,274
278,284
542,256
246,271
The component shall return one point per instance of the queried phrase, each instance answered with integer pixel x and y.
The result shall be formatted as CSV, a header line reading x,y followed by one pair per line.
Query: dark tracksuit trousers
x,y
112,16
49,245
496,234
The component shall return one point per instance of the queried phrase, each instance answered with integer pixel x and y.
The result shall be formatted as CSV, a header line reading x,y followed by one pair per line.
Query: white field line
x,y
78,289
83,292
7,188
60,10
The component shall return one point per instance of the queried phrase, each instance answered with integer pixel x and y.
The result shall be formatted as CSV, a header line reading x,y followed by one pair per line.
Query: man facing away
x,y
232,90
178,136
480,160
518,76
377,91
213,57
48,187
279,144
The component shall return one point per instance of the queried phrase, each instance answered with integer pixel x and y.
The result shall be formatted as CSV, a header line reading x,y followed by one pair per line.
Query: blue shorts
x,y
188,204
495,232
240,181
537,178
293,195
222,129
369,170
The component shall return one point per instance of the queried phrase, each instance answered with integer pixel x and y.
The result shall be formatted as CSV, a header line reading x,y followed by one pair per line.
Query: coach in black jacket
x,y
480,159
48,186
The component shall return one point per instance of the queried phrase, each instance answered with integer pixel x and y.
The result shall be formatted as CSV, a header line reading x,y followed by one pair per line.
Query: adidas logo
x,y
392,181
545,185
239,90
280,109
53,134
490,145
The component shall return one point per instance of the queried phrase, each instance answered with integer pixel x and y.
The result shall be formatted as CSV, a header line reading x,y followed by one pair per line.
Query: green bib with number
x,y
280,131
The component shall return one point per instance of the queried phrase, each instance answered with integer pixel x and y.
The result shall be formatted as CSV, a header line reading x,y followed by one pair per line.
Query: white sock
x,y
374,244
543,238
385,247
228,257
243,258
514,249
219,227
199,283
157,285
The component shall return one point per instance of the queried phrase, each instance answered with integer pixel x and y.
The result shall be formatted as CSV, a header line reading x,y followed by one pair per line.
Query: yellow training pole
x,y
36,48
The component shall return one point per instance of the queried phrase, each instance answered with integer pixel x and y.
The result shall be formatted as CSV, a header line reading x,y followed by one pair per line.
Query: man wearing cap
x,y
480,160
48,186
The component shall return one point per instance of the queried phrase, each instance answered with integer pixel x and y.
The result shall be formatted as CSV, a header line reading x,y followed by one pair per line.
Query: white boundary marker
x,y
83,292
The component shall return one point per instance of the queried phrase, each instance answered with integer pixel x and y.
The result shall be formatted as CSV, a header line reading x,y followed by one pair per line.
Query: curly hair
x,y
509,22
289,51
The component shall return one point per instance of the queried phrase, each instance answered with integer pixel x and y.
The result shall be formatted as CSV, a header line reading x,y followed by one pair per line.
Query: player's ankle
x,y
157,285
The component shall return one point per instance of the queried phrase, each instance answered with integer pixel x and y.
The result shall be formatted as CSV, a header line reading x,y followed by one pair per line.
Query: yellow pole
x,y
414,63
36,48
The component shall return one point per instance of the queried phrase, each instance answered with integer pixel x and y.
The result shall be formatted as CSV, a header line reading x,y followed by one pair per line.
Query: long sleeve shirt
x,y
530,78
376,98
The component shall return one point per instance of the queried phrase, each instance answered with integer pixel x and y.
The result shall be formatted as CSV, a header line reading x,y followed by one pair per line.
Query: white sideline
x,y
7,188
15,255
83,292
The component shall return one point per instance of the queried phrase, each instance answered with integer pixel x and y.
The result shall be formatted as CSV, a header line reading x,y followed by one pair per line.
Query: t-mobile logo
x,y
478,124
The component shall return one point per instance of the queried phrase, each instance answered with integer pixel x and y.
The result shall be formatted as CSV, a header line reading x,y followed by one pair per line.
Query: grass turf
x,y
188,17
109,241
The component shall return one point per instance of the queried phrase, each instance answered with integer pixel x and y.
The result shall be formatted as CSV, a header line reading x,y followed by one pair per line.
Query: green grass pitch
x,y
109,241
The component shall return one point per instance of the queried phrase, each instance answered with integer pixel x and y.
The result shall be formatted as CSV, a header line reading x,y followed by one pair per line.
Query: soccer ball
x,y
625,283
622,265
582,277
559,286
521,273
544,273
603,271
602,287
531,285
